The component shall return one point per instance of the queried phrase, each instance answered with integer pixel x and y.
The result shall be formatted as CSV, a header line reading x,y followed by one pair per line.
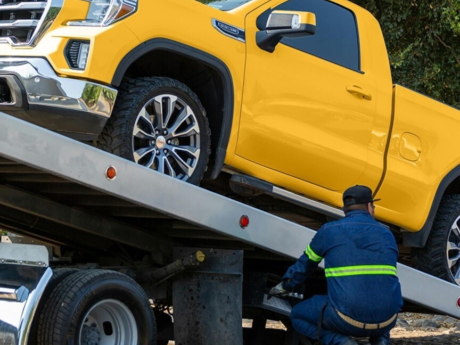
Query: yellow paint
x,y
410,185
300,122
410,147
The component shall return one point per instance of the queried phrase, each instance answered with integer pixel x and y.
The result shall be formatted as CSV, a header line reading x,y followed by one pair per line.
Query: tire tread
x,y
432,258
114,138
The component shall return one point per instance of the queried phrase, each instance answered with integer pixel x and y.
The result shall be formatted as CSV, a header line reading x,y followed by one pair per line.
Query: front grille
x,y
22,22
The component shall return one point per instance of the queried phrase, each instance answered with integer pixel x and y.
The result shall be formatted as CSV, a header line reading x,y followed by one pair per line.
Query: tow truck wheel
x,y
441,255
59,274
97,307
161,124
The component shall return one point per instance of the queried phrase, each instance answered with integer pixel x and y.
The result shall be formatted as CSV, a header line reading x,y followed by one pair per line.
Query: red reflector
x,y
111,172
458,303
244,221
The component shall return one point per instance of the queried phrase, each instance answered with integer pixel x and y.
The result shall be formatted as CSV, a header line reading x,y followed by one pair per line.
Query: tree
x,y
423,42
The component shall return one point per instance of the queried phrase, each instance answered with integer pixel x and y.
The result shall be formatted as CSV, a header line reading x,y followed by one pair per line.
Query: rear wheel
x,y
441,255
59,274
159,123
97,307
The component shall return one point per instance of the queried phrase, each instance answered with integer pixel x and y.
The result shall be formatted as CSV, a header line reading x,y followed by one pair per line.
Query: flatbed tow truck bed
x,y
56,189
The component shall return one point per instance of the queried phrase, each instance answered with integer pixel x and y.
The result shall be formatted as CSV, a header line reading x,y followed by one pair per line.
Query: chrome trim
x,y
16,315
25,6
44,88
51,9
21,23
10,40
19,294
238,31
31,306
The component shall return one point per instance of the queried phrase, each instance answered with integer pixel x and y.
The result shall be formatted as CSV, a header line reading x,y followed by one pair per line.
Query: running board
x,y
248,186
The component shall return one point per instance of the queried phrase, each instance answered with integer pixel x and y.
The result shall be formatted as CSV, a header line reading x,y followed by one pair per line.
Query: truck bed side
x,y
421,153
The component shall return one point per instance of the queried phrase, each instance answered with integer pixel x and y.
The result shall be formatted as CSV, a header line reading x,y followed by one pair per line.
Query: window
x,y
336,37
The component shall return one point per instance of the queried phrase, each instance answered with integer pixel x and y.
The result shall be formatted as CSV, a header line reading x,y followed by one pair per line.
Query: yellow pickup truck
x,y
296,93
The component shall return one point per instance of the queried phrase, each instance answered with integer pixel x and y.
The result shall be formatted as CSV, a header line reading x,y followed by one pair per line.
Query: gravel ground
x,y
412,329
419,329
425,329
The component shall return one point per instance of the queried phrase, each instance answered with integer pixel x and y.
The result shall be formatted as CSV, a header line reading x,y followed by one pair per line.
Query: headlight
x,y
106,12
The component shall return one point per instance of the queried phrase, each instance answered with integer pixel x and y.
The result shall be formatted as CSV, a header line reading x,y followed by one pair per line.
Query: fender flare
x,y
201,56
419,238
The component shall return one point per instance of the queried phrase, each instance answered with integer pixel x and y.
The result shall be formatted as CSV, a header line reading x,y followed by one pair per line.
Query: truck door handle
x,y
357,91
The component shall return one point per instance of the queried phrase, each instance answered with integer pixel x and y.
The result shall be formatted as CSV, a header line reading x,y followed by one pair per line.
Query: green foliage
x,y
3,233
423,42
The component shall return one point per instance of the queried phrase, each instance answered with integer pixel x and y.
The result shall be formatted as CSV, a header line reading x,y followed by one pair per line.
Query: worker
x,y
364,294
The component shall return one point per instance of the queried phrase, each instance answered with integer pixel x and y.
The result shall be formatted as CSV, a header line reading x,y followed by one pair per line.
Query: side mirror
x,y
285,24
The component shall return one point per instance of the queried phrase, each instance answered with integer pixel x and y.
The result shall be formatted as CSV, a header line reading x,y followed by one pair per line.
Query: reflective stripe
x,y
360,270
312,255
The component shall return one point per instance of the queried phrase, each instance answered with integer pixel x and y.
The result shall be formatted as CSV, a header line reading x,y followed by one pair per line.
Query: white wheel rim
x,y
109,322
166,137
453,250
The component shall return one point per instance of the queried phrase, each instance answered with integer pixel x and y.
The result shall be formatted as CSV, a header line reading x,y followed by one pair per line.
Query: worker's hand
x,y
277,290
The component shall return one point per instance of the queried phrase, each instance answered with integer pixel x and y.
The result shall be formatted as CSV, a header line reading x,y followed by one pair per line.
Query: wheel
x,y
97,307
160,124
59,274
441,254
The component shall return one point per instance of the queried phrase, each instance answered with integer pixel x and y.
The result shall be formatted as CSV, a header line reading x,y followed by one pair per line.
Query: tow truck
x,y
128,246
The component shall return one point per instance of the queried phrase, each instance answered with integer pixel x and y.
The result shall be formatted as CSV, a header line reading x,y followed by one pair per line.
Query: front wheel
x,y
161,124
97,307
441,255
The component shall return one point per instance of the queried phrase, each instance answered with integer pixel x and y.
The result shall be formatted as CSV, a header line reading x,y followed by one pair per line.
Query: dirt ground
x,y
424,329
411,329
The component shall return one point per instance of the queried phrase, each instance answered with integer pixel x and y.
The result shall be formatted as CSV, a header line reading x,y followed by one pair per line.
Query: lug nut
x,y
165,151
169,142
165,132
158,152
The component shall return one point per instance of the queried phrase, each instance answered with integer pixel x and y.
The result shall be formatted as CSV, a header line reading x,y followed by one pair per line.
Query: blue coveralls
x,y
360,266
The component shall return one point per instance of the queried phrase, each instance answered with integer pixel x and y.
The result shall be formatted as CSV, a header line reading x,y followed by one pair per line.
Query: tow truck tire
x,y
161,124
59,274
441,255
95,307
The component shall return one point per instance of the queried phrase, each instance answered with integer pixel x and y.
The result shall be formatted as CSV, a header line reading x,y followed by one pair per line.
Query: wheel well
x,y
200,77
448,186
454,187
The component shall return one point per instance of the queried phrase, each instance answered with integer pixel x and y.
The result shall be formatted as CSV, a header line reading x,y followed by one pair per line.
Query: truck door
x,y
309,107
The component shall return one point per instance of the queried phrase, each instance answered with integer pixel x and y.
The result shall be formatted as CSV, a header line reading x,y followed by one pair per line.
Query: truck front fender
x,y
211,61
23,279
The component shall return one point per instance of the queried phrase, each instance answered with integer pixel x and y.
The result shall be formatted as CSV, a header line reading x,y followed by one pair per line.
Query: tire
x,y
441,254
177,144
59,274
97,307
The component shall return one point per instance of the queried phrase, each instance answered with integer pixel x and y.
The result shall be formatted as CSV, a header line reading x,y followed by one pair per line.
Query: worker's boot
x,y
350,341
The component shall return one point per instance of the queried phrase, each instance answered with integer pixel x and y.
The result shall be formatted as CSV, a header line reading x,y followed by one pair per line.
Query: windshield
x,y
224,5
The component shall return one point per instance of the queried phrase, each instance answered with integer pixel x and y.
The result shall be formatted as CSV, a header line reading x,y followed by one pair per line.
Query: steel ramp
x,y
85,165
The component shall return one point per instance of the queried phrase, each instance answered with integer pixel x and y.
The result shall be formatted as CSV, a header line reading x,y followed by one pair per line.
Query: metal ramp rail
x,y
40,149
